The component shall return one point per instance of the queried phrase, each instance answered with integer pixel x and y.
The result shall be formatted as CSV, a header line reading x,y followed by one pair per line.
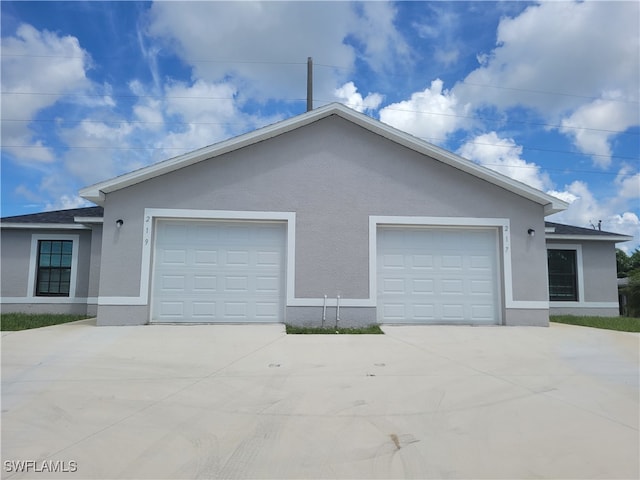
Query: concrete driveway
x,y
251,402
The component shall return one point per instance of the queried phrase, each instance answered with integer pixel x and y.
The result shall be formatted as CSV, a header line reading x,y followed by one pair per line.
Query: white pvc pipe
x,y
324,310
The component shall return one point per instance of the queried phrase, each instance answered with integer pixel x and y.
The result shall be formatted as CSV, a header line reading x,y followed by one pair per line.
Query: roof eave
x,y
88,219
597,238
44,226
96,193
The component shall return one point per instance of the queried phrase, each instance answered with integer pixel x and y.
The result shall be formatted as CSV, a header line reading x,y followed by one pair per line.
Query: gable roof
x,y
70,218
96,193
559,231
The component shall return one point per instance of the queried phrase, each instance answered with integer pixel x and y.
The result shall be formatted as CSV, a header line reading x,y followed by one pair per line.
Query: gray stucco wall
x,y
333,174
14,274
16,247
599,277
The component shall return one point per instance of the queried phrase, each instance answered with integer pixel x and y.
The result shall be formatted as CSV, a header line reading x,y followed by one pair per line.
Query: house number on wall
x,y
147,222
506,238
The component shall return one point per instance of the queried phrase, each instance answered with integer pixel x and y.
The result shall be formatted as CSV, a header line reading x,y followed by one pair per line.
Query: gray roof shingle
x,y
562,229
56,216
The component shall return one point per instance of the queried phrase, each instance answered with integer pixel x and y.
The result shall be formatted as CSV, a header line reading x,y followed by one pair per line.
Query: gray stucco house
x,y
330,214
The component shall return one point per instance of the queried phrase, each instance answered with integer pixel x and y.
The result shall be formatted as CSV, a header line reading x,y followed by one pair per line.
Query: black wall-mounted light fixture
x,y
531,232
119,223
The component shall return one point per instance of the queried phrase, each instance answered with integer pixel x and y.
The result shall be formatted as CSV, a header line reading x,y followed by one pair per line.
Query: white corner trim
x,y
33,265
579,266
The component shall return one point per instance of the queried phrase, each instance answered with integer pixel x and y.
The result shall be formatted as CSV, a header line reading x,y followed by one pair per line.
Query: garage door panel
x,y
205,258
174,257
236,310
423,286
268,285
218,272
173,283
172,309
437,275
237,258
481,287
424,311
203,309
451,262
205,283
452,312
268,258
483,311
422,261
267,310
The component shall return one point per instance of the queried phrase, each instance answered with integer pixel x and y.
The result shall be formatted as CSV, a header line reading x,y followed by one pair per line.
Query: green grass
x,y
369,330
624,324
25,321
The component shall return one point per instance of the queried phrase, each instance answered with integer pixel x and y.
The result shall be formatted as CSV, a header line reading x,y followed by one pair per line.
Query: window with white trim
x,y
53,267
53,276
563,275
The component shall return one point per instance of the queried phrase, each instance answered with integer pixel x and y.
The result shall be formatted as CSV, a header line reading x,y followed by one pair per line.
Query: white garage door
x,y
437,275
214,271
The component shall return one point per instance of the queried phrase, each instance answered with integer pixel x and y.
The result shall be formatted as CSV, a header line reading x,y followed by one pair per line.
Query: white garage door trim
x,y
503,252
218,271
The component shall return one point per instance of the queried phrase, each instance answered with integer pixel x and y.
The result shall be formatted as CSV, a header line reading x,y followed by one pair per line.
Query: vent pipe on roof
x,y
309,84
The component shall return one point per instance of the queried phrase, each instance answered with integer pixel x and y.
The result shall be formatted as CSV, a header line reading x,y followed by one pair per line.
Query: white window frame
x,y
579,275
33,269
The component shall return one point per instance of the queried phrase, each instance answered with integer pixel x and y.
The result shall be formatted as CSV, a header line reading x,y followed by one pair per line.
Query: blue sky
x,y
546,93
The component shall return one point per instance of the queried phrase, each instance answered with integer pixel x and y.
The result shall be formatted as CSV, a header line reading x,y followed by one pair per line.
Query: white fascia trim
x,y
88,219
96,193
33,265
590,238
48,300
584,305
578,248
152,214
45,226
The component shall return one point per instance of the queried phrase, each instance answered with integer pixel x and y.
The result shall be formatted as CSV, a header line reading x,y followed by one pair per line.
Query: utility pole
x,y
309,84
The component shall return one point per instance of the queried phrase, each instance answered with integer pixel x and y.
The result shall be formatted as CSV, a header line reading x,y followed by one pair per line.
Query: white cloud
x,y
65,202
628,186
593,125
586,211
348,94
562,47
254,43
503,156
432,114
441,28
209,111
564,60
37,62
374,26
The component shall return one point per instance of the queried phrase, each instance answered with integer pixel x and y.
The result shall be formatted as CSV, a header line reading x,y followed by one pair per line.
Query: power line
x,y
338,67
524,147
471,117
